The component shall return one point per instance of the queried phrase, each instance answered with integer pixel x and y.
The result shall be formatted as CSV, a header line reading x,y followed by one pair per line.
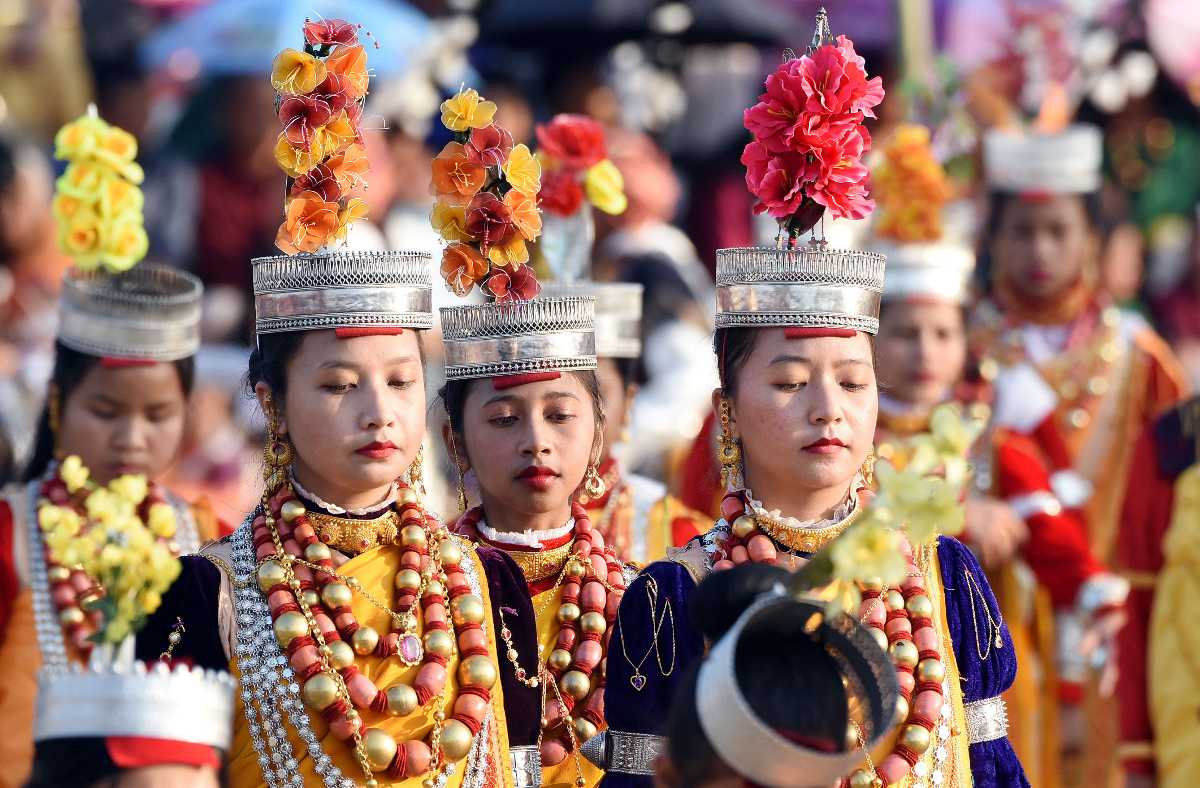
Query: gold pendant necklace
x,y
352,536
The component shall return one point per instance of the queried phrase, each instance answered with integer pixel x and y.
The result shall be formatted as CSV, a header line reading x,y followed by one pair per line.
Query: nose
x,y
377,411
130,435
825,406
535,438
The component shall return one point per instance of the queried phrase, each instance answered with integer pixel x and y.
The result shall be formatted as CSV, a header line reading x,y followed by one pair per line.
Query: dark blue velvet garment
x,y
994,764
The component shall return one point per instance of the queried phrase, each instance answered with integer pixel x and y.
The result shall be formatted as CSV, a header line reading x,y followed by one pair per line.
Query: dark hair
x,y
786,676
70,367
269,360
631,370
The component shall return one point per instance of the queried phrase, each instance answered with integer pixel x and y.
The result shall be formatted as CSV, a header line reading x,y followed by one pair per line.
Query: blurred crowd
x,y
668,80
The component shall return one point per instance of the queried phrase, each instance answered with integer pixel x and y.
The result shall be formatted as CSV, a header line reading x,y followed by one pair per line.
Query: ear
x,y
453,443
719,396
267,402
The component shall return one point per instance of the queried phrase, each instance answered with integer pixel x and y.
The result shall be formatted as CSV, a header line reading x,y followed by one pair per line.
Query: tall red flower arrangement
x,y
809,138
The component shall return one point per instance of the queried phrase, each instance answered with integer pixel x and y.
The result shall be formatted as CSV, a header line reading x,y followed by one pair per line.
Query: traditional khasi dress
x,y
147,315
557,605
1159,550
387,645
654,642
635,514
1083,380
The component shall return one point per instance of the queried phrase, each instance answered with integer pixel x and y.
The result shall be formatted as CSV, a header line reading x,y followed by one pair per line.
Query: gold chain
x,y
994,626
638,680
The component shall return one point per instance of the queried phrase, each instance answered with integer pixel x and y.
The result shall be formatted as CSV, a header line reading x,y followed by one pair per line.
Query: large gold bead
x,y
435,588
560,659
408,581
317,552
901,709
743,526
576,567
915,738
880,636
58,574
894,600
310,597
904,653
409,496
593,622
568,612
270,574
439,642
931,670
364,640
456,740
412,536
290,626
401,700
466,609
337,595
71,616
872,584
379,747
320,691
861,779
920,606
291,510
450,552
575,684
340,654
584,729
478,671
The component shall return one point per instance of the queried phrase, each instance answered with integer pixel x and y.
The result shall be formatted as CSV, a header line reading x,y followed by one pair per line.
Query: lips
x,y
539,477
829,445
377,450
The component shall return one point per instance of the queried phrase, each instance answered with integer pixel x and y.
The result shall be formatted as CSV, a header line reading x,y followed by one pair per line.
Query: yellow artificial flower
x,y
295,72
117,630
467,110
83,240
119,197
131,487
116,146
161,520
509,253
79,138
450,221
149,601
339,134
73,473
355,210
125,244
867,550
605,187
66,207
923,505
523,171
297,161
85,180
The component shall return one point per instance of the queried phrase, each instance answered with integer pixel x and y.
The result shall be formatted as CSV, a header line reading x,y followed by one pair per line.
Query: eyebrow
x,y
514,398
788,359
355,367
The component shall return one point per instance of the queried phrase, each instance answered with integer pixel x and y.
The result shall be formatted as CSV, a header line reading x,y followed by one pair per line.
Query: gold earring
x,y
416,471
462,482
868,469
728,450
277,449
593,482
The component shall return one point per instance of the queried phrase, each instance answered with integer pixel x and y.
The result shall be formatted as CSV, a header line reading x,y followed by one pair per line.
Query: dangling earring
x,y
593,482
462,482
416,471
277,450
868,469
728,451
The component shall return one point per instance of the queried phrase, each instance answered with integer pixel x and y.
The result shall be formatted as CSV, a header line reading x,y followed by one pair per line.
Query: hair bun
x,y
723,596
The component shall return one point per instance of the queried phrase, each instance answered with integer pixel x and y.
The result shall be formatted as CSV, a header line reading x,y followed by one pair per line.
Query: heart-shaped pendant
x,y
638,681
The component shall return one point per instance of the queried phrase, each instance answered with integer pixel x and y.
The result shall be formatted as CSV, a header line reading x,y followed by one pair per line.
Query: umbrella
x,y
243,36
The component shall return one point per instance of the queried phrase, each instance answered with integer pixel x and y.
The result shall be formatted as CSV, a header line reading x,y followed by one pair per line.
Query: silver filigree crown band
x,y
811,286
939,270
151,313
342,290
1065,162
516,337
618,314
754,749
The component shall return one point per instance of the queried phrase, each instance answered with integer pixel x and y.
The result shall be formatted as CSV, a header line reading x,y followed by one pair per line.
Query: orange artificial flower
x,y
510,252
310,224
463,267
456,179
297,161
349,167
355,210
525,215
450,221
350,63
296,73
340,132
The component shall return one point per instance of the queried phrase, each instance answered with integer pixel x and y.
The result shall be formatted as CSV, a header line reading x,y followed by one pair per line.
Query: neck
x,y
344,497
507,520
798,503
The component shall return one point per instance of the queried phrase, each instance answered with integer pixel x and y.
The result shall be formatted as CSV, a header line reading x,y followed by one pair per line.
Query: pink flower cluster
x,y
809,140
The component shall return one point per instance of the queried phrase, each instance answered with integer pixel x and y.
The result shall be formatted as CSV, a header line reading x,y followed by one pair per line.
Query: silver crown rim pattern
x,y
518,318
386,268
804,265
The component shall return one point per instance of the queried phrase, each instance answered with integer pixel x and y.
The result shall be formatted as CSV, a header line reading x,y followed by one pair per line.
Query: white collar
x,y
841,512
333,508
532,539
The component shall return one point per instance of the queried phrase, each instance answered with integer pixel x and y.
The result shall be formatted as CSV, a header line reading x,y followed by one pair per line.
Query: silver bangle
x,y
624,753
987,720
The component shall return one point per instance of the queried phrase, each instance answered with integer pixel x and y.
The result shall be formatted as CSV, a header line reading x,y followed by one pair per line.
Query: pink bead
x,y
81,582
593,596
392,641
455,579
929,704
304,533
610,606
410,560
303,573
265,550
599,566
731,508
588,654
761,550
616,578
874,613
722,565
906,548
431,677
63,595
554,752
472,639
471,706
913,581
362,691
739,555
279,598
893,769
79,638
566,638
293,547
343,728
906,681
553,713
898,625
434,613
595,702
926,639
419,757
339,558
325,625
597,542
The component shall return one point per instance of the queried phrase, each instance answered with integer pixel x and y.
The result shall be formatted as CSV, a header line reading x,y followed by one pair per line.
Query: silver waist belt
x,y
624,753
987,720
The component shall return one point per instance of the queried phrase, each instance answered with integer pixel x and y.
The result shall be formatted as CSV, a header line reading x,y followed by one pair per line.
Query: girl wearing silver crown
x,y
114,416
798,405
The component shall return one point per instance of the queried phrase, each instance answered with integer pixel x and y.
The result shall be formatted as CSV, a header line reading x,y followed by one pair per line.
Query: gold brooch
x,y
541,564
351,536
803,540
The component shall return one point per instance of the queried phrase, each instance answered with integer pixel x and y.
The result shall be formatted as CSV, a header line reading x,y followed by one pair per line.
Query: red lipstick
x,y
377,450
539,477
825,446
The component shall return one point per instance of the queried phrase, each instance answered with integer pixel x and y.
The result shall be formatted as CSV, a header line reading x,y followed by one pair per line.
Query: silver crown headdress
x,y
518,337
808,286
151,313
937,269
303,292
618,314
1064,162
